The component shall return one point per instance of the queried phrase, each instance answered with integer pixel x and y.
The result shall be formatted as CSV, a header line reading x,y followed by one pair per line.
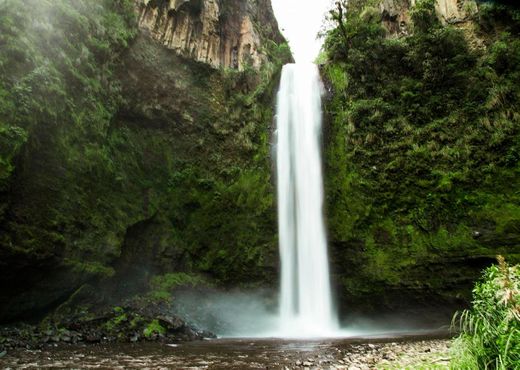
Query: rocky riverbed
x,y
347,354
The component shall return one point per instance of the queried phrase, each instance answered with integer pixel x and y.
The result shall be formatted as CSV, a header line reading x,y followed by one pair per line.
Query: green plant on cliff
x,y
118,319
490,330
106,137
423,141
153,328
58,97
161,286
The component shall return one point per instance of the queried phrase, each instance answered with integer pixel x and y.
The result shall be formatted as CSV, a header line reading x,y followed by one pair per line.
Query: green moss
x,y
57,106
120,318
89,155
422,144
94,269
174,280
162,286
153,328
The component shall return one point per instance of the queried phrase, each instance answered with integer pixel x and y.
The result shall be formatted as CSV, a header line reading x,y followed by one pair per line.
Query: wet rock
x,y
93,338
171,322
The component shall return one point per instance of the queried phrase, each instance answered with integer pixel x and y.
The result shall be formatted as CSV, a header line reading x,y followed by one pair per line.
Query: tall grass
x,y
490,330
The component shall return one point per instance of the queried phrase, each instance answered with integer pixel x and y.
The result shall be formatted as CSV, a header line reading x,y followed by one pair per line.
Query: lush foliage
x,y
223,207
423,146
115,152
490,337
57,100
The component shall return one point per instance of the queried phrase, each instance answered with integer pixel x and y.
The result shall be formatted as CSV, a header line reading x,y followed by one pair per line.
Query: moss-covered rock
x,y
121,159
422,156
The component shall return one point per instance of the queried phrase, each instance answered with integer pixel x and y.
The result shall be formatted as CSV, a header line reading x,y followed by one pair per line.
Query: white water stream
x,y
305,304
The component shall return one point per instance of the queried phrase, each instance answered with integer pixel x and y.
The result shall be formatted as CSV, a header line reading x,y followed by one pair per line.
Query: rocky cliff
x,y
396,13
421,151
220,33
122,159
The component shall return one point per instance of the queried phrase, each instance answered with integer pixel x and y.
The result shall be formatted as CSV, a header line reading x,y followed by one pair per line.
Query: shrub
x,y
490,330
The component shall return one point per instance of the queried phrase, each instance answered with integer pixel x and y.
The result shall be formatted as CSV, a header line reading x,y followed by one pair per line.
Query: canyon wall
x,y
421,152
126,153
396,13
220,33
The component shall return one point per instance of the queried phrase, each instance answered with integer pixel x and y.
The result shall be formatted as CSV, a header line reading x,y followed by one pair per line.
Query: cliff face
x,y
422,163
126,158
220,33
396,13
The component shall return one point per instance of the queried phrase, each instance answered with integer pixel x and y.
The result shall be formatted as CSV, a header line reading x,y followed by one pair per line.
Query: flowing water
x,y
305,303
235,354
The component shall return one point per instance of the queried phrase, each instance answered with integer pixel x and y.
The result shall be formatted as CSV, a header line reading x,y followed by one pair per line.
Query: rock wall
x,y
410,224
396,13
220,33
125,158
456,11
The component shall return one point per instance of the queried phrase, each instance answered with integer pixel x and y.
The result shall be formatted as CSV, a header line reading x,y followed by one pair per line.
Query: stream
x,y
384,351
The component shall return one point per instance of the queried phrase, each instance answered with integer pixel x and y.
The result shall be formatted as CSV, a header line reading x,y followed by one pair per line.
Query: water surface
x,y
211,354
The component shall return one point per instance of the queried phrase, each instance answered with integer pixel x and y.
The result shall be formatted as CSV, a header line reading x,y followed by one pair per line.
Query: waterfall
x,y
305,304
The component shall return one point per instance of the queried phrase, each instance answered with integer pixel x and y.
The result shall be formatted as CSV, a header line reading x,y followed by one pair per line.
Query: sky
x,y
300,21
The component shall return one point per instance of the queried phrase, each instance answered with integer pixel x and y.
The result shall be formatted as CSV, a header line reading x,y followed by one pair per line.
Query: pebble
x,y
369,356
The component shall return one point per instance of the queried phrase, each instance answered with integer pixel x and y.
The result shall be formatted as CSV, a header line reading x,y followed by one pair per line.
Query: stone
x,y
208,31
455,11
172,322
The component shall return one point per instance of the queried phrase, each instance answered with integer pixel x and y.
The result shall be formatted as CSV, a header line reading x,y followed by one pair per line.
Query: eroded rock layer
x,y
211,31
396,13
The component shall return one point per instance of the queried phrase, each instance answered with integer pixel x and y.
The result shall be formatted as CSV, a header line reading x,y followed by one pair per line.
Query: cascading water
x,y
305,304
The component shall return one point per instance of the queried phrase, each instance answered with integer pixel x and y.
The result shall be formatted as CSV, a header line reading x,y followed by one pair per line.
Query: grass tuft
x,y
490,330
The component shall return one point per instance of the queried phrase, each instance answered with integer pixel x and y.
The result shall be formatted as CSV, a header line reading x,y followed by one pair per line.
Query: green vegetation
x,y
490,337
115,151
161,286
153,328
223,208
120,317
422,146
58,98
174,280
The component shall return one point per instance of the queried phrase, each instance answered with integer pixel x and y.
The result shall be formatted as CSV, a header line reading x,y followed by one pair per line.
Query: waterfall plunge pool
x,y
368,352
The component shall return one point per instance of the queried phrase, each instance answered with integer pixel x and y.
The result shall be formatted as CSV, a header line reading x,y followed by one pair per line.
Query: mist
x,y
229,314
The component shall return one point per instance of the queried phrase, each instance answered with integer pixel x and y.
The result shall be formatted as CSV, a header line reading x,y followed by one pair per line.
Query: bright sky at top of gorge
x,y
300,22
